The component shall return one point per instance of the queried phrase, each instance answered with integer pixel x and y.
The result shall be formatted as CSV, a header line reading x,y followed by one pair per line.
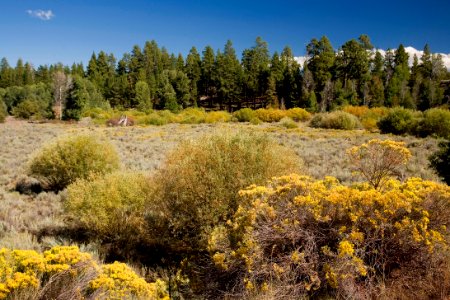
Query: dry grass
x,y
145,149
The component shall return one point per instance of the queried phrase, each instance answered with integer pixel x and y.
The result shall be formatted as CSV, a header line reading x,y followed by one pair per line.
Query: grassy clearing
x,y
145,149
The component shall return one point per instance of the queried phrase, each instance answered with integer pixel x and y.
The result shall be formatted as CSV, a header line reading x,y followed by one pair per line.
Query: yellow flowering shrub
x,y
217,116
368,116
312,236
378,160
27,273
270,114
298,114
118,281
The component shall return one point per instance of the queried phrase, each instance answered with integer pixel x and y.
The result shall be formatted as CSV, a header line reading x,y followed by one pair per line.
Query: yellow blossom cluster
x,y
317,233
25,272
118,281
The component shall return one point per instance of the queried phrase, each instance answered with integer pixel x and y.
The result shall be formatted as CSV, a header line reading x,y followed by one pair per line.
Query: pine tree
x,y
229,76
142,96
6,74
207,83
193,72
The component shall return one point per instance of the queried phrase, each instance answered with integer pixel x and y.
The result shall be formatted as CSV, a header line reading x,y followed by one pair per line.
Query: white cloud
x,y
410,50
44,15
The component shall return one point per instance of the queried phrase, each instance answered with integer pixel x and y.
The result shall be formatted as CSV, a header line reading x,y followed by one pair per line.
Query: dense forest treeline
x,y
151,77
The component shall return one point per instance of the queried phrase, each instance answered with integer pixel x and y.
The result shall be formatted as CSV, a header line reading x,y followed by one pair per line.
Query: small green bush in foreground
x,y
62,162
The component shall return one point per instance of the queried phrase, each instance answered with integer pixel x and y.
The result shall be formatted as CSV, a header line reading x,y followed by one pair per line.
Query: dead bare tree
x,y
61,85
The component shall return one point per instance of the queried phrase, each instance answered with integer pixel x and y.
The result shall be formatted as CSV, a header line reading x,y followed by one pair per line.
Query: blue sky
x,y
74,29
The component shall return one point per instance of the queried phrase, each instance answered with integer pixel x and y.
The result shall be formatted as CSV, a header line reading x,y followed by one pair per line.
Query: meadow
x,y
320,153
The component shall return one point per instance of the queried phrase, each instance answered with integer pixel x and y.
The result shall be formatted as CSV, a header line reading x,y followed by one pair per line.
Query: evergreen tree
x,y
193,71
142,97
321,58
19,73
290,88
255,62
6,74
229,76
207,83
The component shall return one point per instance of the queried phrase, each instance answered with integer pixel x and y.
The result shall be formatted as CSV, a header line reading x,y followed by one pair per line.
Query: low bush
x,y
218,116
435,122
335,120
244,115
98,113
108,206
62,162
367,116
357,111
153,118
196,188
191,116
397,121
440,161
297,237
30,109
255,121
287,122
270,114
63,272
298,114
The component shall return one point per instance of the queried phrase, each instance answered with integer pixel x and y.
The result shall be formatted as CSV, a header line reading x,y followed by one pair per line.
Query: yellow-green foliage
x,y
378,160
217,116
67,159
270,114
98,113
156,118
335,120
244,114
311,236
108,205
118,281
436,121
367,116
24,274
298,114
197,186
288,123
191,116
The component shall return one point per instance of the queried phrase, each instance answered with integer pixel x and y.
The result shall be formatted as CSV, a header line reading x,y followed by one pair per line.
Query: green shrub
x,y
191,116
397,121
335,120
255,121
244,115
287,122
270,114
435,122
108,205
62,162
298,114
98,113
3,111
218,116
440,161
30,109
197,187
153,118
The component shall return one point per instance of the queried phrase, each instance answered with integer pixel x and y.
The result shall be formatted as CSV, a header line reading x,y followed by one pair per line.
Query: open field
x,y
145,148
